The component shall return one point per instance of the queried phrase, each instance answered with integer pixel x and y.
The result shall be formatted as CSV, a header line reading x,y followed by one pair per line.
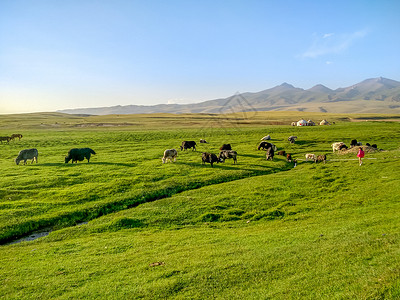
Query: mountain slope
x,y
380,95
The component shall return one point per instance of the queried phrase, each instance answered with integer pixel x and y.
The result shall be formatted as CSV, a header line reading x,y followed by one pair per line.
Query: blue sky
x,y
86,53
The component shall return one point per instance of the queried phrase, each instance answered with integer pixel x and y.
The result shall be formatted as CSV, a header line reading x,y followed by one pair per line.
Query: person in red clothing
x,y
360,155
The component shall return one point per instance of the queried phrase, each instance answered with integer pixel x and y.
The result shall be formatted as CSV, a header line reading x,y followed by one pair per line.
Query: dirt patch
x,y
105,124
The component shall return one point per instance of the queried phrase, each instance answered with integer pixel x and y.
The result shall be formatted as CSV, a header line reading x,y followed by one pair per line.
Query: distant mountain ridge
x,y
374,95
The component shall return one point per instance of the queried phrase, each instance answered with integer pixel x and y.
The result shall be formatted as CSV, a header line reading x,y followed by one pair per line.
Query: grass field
x,y
256,230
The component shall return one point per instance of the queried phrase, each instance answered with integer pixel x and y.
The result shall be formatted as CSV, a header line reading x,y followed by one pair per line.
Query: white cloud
x,y
329,62
326,35
331,43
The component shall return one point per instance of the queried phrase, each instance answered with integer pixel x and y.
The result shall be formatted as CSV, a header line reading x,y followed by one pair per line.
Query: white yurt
x,y
302,123
324,122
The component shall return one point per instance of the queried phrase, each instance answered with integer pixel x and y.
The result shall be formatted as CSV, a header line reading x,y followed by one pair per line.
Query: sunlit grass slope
x,y
255,230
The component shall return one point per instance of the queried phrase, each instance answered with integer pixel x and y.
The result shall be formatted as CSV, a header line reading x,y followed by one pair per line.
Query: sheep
x,y
270,154
27,154
321,158
311,157
266,138
228,154
170,154
335,146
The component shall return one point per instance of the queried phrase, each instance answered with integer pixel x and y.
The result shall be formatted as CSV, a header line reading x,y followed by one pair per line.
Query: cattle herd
x,y
226,152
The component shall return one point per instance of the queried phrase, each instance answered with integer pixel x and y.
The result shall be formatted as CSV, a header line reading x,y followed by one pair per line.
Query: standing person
x,y
360,155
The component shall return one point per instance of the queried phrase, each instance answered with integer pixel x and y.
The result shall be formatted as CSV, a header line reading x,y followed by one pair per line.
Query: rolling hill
x,y
375,95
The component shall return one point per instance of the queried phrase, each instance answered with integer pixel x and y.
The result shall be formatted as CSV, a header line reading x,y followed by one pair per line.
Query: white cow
x,y
170,154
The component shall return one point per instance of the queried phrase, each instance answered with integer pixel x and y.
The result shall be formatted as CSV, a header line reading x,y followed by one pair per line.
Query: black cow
x,y
353,143
264,145
225,147
227,154
80,154
188,145
209,158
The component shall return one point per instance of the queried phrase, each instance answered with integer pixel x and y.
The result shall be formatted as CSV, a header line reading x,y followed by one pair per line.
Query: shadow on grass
x,y
86,163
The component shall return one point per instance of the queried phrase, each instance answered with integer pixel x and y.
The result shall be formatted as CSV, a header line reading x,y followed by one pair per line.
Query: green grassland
x,y
256,230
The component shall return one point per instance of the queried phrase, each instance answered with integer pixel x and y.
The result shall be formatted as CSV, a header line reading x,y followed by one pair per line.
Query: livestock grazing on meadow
x,y
321,158
203,141
266,145
169,154
80,154
225,147
5,138
227,154
343,147
270,153
209,158
282,152
374,146
292,139
289,157
16,135
353,143
310,156
336,146
188,144
266,138
27,154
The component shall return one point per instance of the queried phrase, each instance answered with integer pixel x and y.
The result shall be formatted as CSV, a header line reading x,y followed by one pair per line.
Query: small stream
x,y
36,234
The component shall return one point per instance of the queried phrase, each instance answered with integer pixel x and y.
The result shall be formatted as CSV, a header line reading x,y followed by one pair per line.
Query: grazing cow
x,y
270,154
292,139
209,158
335,146
341,147
27,154
353,143
188,145
311,157
225,147
265,145
202,141
170,154
289,157
321,158
227,154
80,154
368,144
16,135
5,138
282,152
374,146
266,138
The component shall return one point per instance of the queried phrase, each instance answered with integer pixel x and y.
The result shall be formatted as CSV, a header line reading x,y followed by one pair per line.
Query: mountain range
x,y
374,95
